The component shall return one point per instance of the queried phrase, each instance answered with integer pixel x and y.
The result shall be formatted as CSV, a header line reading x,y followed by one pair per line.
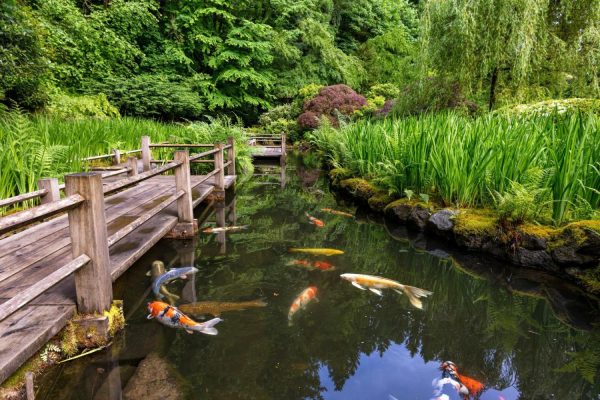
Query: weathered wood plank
x,y
42,285
136,244
26,331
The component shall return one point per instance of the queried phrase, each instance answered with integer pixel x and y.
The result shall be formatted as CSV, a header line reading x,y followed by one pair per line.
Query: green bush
x,y
79,107
153,96
280,119
385,90
548,107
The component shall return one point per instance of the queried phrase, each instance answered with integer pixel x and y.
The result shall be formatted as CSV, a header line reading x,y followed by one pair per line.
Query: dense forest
x,y
185,59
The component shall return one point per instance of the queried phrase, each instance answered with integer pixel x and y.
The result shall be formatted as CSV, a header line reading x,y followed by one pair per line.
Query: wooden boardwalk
x,y
40,289
268,146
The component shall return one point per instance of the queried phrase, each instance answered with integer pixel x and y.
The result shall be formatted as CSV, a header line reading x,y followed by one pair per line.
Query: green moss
x,y
575,233
541,231
359,188
339,174
591,279
16,381
476,222
379,201
406,201
68,343
116,318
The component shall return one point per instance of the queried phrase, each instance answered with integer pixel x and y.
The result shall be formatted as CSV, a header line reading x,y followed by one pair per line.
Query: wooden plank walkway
x,y
268,146
31,255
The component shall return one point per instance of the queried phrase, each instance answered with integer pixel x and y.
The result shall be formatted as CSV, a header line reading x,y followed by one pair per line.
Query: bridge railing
x,y
84,202
262,140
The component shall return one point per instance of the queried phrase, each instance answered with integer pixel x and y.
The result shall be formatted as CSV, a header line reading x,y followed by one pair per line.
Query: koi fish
x,y
172,317
225,229
157,269
216,307
318,252
307,296
170,275
314,221
376,283
320,265
336,212
468,386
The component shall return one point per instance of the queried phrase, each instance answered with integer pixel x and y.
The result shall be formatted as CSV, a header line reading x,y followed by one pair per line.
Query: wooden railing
x,y
84,202
257,140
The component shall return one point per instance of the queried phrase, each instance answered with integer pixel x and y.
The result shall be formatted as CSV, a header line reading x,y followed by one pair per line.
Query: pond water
x,y
523,336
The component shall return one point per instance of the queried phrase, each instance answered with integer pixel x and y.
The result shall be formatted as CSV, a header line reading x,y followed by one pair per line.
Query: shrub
x,y
385,90
331,100
280,119
433,94
386,109
153,96
79,107
552,106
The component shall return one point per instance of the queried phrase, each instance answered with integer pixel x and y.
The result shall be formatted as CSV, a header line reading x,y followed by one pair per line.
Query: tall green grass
x,y
463,162
41,146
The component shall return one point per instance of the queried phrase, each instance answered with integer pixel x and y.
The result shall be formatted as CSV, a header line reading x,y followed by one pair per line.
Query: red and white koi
x,y
307,296
314,221
376,283
172,317
467,387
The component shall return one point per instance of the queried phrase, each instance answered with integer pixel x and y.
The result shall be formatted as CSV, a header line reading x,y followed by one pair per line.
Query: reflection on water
x,y
512,329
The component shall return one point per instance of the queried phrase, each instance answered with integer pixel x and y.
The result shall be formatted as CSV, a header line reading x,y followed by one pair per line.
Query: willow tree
x,y
477,41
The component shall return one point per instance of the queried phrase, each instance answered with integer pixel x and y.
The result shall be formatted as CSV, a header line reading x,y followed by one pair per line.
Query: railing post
x,y
187,226
220,176
87,225
230,156
283,152
132,163
116,157
146,155
51,185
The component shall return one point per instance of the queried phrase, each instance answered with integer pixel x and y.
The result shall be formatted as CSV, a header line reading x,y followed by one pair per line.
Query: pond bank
x,y
572,251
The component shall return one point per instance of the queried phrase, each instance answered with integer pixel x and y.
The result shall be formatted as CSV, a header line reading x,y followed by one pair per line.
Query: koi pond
x,y
523,334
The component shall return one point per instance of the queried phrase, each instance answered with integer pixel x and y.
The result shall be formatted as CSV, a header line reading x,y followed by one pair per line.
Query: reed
x,y
462,161
41,146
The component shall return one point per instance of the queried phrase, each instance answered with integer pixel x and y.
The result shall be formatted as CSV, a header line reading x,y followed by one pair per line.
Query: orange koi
x,y
315,221
336,212
307,296
323,266
172,317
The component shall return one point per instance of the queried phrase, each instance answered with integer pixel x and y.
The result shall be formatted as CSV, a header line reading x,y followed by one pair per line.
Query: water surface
x,y
495,323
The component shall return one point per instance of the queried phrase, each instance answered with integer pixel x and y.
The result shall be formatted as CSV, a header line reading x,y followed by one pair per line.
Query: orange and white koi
x,y
306,297
172,317
320,265
224,229
467,387
337,212
376,283
314,221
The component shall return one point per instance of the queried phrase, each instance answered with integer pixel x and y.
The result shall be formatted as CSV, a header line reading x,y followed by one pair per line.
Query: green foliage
x,y
553,106
23,69
78,107
166,97
281,119
385,90
524,160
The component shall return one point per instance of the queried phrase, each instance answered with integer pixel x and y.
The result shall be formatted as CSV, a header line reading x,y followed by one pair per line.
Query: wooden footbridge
x,y
268,146
61,256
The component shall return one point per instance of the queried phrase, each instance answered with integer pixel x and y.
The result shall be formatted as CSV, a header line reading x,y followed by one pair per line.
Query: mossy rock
x,y
535,237
591,279
401,209
338,174
576,243
475,228
359,188
379,201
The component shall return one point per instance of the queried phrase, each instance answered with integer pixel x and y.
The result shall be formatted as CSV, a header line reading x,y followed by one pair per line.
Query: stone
x,y
154,379
419,215
443,220
534,258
